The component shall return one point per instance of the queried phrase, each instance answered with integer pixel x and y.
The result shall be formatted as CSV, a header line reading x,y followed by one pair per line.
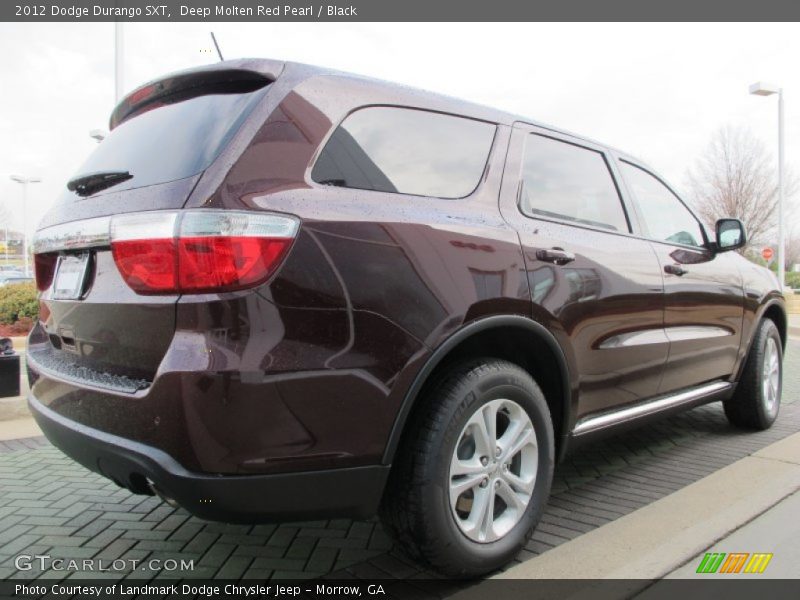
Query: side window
x,y
665,216
406,151
569,182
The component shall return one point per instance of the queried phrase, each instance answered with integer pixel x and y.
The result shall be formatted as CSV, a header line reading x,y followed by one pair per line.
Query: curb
x,y
13,408
660,537
19,429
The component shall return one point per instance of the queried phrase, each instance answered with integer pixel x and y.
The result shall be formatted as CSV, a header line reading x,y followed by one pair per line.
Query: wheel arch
x,y
776,312
773,309
496,336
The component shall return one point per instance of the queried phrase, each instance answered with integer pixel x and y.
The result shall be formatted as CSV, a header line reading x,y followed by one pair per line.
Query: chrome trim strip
x,y
664,335
636,338
590,423
94,233
695,332
88,233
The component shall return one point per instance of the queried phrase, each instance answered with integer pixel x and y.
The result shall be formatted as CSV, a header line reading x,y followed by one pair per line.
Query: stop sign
x,y
767,253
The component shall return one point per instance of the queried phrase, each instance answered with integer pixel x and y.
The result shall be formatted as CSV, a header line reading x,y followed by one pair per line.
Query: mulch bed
x,y
21,327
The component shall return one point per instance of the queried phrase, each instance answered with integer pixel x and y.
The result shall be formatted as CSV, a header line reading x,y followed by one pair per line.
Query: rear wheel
x,y
756,402
474,471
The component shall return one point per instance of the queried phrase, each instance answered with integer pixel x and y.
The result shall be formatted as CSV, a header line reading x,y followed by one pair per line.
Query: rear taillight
x,y
199,251
44,266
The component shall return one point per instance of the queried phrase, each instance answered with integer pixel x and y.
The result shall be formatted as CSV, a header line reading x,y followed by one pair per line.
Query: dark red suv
x,y
281,292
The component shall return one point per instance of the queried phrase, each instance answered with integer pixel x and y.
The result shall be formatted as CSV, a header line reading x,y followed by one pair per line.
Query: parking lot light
x,y
761,88
25,181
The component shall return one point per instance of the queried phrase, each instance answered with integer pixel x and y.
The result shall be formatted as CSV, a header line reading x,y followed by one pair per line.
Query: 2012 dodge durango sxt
x,y
277,292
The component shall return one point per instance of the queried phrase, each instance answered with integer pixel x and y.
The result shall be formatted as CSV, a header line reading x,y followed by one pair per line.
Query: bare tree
x,y
792,248
735,177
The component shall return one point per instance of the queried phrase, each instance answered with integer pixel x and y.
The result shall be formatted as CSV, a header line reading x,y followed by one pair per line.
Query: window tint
x,y
406,151
665,216
569,182
172,140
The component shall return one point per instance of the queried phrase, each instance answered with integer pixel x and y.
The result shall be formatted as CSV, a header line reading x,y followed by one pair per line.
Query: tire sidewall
x,y
767,331
512,384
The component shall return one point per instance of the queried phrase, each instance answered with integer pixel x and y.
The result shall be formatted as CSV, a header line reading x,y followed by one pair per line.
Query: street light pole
x,y
767,89
118,62
25,181
781,240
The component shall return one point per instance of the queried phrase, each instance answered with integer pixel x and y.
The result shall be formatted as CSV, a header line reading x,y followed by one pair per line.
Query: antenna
x,y
216,45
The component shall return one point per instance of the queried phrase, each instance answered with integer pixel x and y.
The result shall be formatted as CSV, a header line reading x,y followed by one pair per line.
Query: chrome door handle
x,y
557,256
675,270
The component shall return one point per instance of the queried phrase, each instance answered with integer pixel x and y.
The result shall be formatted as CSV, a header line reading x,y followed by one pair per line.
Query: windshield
x,y
171,140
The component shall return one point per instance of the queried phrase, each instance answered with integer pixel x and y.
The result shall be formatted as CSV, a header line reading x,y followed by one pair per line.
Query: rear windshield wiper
x,y
85,185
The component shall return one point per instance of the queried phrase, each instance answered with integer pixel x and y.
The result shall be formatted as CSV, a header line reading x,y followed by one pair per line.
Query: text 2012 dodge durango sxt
x,y
279,292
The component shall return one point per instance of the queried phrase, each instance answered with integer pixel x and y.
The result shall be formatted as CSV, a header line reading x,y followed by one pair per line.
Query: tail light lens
x,y
199,251
44,267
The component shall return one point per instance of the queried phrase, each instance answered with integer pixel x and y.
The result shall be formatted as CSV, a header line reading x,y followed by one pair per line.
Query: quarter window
x,y
665,216
406,151
569,182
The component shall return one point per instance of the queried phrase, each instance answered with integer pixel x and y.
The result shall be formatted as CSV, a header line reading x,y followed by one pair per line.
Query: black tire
x,y
416,508
750,406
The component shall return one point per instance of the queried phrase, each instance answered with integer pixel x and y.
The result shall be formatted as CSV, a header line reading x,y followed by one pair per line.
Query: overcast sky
x,y
657,91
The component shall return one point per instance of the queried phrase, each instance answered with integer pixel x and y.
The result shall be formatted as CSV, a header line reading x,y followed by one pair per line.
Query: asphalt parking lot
x,y
49,505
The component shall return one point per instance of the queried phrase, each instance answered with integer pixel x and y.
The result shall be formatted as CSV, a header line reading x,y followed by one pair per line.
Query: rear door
x,y
595,284
703,290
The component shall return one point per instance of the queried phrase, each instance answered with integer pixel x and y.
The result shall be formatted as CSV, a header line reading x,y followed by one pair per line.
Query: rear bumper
x,y
347,492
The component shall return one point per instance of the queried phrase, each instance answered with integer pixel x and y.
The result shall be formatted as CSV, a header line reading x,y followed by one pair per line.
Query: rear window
x,y
172,139
406,151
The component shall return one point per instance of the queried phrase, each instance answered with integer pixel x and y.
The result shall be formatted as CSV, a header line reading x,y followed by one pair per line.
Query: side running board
x,y
594,423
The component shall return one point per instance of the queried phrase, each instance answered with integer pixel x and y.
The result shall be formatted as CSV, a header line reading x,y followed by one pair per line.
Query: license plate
x,y
70,277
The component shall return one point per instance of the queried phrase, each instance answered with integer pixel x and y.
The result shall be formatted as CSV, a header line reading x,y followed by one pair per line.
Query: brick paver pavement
x,y
50,505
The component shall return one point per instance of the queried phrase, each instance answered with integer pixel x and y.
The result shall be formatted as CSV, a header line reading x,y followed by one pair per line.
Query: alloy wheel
x,y
493,470
771,376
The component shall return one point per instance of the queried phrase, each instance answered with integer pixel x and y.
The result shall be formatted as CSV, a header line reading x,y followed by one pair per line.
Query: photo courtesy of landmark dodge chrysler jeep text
x,y
280,292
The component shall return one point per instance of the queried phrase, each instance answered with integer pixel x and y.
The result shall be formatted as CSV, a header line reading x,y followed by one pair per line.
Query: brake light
x,y
199,251
44,266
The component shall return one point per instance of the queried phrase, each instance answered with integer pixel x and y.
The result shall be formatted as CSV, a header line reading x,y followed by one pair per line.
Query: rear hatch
x,y
164,135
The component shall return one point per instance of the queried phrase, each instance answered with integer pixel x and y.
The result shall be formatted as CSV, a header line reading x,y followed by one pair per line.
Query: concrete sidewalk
x,y
794,325
15,429
777,531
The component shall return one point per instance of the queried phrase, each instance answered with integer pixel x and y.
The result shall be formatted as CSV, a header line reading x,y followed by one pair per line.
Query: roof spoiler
x,y
236,76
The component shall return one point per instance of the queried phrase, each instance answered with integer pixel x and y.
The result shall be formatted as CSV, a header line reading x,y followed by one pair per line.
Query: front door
x,y
703,290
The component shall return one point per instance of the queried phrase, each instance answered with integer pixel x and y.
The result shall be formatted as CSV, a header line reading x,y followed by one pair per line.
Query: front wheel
x,y
757,399
474,470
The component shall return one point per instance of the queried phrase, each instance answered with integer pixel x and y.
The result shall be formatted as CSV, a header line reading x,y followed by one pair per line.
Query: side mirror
x,y
730,235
